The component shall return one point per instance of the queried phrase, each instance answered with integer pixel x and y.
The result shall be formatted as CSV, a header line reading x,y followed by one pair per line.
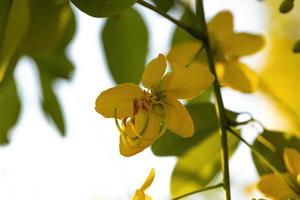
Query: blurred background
x,y
39,163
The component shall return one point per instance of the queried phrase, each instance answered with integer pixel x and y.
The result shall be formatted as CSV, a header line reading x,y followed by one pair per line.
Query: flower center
x,y
144,103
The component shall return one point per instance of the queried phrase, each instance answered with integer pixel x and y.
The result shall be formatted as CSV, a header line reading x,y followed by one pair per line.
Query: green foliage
x,y
199,165
271,145
15,20
103,8
205,122
50,103
52,25
181,35
125,40
164,5
9,107
41,30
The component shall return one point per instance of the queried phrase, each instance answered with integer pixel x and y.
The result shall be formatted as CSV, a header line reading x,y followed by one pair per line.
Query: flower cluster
x,y
227,47
146,114
275,187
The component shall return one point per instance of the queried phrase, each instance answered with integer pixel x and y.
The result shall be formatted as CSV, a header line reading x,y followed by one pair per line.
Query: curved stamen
x,y
140,134
117,123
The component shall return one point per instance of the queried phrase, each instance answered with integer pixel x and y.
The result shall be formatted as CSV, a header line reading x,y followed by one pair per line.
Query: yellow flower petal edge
x,y
140,193
154,72
242,44
182,54
120,98
188,82
221,25
240,77
178,118
142,116
292,161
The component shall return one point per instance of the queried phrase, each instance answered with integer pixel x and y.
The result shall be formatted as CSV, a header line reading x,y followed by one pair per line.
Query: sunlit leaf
x,y
9,109
50,103
15,26
164,5
103,8
271,145
125,41
205,122
197,167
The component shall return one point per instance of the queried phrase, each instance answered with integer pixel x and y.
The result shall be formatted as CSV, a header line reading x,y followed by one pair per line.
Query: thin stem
x,y
219,102
194,32
263,159
200,190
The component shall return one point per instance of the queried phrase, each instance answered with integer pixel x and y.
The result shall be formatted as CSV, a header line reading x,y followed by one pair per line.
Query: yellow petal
x,y
178,119
120,98
273,186
187,82
154,72
139,133
241,44
221,25
149,180
182,54
292,160
139,195
239,77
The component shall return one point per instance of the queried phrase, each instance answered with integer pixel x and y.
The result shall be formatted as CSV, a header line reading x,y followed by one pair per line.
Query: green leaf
x,y
188,18
57,65
125,41
16,24
164,5
205,122
50,103
199,165
52,26
204,97
271,145
103,8
9,107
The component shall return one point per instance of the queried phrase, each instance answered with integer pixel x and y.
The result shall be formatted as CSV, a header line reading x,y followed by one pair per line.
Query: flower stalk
x,y
219,102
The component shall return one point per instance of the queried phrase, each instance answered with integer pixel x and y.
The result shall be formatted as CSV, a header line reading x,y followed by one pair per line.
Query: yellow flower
x,y
227,48
146,114
140,193
274,187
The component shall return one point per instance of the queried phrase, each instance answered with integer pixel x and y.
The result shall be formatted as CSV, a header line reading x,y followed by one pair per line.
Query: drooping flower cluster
x,y
146,114
276,188
227,48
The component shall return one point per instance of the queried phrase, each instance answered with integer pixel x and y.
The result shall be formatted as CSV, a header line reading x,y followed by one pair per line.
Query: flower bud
x,y
286,6
296,48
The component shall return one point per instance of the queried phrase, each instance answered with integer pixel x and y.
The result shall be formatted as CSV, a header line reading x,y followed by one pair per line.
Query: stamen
x,y
139,135
117,123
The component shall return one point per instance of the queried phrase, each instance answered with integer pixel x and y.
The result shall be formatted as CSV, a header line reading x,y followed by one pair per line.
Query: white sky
x,y
86,165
